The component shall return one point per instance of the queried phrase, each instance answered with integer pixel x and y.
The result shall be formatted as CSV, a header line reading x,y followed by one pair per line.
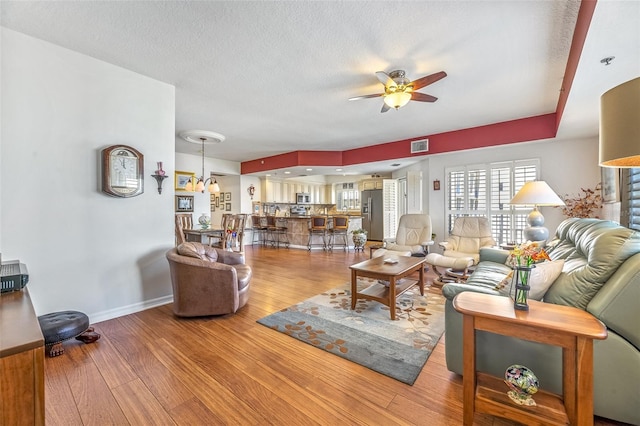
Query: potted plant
x,y
359,238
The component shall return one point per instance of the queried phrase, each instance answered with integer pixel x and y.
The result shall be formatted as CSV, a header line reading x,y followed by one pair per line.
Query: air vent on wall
x,y
420,146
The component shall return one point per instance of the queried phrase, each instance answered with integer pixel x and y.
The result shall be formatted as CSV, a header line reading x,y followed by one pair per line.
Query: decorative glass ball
x,y
204,221
523,383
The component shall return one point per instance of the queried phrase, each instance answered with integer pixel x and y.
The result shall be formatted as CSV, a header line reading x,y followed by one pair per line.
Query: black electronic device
x,y
13,276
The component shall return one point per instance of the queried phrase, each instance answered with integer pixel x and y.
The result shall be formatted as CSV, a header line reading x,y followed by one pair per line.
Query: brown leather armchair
x,y
207,280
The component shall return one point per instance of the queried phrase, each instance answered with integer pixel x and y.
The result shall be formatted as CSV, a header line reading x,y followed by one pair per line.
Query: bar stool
x,y
317,227
259,230
281,232
339,229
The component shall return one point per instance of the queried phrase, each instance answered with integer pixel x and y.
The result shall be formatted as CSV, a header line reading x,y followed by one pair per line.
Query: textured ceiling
x,y
275,77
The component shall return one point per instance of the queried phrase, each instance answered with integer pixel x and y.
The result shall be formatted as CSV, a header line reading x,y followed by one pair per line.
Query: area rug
x,y
367,335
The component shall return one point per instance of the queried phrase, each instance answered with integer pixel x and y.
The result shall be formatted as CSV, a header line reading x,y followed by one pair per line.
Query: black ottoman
x,y
60,326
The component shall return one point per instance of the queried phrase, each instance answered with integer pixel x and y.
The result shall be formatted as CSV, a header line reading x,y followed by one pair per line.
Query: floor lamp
x,y
620,126
536,193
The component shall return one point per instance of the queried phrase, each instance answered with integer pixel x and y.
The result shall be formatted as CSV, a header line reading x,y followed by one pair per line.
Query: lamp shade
x,y
397,99
537,193
620,125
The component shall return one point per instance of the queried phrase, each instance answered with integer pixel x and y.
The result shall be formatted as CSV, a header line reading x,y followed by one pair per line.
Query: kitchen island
x,y
298,229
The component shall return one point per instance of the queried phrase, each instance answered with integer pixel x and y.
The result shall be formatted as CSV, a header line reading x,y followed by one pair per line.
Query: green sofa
x,y
601,275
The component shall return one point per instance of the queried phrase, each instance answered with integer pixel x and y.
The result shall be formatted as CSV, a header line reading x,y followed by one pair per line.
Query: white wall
x,y
566,166
84,250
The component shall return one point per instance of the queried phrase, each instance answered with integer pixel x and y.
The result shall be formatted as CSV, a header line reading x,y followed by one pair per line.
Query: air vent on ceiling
x,y
420,146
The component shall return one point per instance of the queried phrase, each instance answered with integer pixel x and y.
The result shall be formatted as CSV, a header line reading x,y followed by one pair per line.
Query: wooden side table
x,y
571,328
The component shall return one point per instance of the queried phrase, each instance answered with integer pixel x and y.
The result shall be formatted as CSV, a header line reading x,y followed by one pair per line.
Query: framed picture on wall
x,y
228,207
181,179
610,183
184,203
227,196
217,202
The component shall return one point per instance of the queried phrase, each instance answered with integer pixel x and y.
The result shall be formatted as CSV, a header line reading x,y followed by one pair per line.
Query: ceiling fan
x,y
398,90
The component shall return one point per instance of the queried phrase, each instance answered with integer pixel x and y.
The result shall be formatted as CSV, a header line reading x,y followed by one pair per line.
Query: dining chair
x,y
183,221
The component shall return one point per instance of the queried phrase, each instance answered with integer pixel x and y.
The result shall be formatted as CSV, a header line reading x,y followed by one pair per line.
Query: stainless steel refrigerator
x,y
371,202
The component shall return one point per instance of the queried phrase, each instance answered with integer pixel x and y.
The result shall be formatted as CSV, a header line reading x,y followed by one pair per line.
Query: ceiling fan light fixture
x,y
397,99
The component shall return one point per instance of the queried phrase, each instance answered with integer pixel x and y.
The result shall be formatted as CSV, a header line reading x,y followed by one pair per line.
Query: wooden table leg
x,y
584,381
469,369
421,279
392,298
354,288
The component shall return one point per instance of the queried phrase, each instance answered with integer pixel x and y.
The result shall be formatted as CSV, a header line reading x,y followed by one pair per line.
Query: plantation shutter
x,y
390,207
631,199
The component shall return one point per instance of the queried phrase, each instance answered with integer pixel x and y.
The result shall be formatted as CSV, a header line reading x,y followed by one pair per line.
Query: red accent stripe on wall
x,y
583,22
292,159
521,130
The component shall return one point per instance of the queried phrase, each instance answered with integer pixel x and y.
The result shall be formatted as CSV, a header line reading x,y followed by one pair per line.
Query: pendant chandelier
x,y
202,137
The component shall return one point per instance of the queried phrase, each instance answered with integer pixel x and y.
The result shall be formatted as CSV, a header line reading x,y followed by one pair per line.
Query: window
x,y
630,198
347,196
485,190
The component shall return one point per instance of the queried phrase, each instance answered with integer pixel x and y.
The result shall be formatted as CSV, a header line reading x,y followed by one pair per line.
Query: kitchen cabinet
x,y
370,184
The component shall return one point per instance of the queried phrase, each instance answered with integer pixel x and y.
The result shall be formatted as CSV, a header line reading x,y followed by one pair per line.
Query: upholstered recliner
x,y
468,236
207,280
462,248
413,235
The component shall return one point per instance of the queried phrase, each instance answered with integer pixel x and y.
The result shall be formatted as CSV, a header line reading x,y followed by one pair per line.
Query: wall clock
x,y
122,171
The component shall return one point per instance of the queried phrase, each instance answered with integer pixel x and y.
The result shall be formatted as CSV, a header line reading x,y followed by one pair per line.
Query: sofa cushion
x,y
542,277
198,250
592,250
488,274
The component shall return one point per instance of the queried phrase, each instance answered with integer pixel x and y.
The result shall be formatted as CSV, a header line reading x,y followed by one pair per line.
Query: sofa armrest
x,y
450,290
493,254
444,245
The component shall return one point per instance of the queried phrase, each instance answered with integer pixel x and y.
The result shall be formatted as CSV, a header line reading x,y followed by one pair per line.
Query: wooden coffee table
x,y
378,269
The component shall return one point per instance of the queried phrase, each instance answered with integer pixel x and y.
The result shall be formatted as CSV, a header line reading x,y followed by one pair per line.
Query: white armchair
x,y
462,249
413,235
468,236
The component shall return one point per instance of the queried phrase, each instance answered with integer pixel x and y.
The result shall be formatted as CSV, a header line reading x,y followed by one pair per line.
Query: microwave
x,y
303,198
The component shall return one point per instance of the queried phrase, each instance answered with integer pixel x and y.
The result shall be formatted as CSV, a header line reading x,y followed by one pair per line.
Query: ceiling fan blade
x,y
421,97
385,79
366,97
385,108
425,81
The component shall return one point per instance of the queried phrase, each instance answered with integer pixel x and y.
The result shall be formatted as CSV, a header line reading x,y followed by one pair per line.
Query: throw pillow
x,y
542,276
190,249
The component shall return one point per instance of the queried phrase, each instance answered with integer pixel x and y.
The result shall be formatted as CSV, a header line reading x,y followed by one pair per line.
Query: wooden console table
x,y
571,328
21,361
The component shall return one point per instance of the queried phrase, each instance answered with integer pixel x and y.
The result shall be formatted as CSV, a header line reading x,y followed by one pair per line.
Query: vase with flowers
x,y
522,260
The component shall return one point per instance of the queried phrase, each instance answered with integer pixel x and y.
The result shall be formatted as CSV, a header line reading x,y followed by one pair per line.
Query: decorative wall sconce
x,y
251,190
159,176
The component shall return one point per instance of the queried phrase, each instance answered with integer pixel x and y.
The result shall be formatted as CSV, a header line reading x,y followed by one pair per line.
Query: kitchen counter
x,y
298,228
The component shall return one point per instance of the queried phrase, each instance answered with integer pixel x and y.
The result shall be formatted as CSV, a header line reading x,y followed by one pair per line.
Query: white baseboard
x,y
130,309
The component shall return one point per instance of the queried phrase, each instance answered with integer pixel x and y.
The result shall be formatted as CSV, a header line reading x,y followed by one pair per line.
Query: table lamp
x,y
536,193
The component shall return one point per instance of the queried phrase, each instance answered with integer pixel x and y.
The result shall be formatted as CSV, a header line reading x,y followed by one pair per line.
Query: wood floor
x,y
152,368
